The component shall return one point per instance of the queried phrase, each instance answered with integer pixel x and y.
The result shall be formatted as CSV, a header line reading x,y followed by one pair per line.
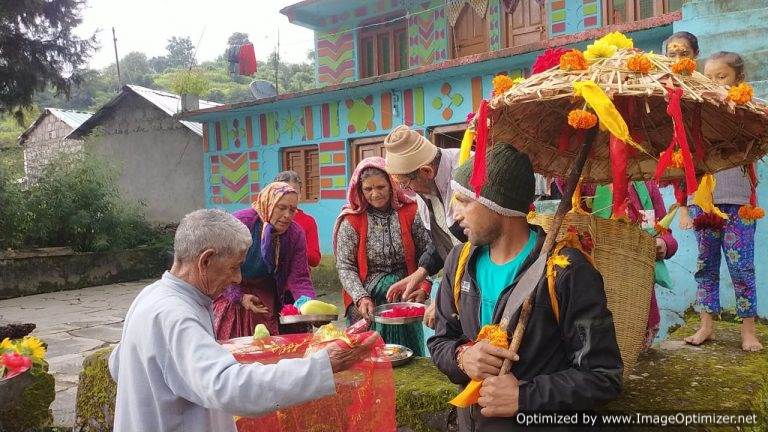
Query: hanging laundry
x,y
233,58
247,60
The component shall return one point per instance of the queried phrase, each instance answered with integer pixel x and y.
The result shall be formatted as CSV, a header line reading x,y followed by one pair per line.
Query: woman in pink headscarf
x,y
379,239
275,271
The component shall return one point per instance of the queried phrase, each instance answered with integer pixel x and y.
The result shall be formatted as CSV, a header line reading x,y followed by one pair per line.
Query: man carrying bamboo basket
x,y
569,359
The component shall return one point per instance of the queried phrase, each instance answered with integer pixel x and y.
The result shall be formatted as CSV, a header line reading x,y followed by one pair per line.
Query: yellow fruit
x,y
316,307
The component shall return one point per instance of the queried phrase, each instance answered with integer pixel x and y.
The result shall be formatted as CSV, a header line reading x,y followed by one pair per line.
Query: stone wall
x,y
40,274
160,160
45,143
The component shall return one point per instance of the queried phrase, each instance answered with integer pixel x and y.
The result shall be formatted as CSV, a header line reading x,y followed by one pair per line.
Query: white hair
x,y
210,229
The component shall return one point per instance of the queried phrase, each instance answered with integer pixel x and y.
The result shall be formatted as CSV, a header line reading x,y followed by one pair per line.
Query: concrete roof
x,y
169,103
72,118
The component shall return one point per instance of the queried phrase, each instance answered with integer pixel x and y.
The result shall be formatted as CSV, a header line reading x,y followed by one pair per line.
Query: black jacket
x,y
571,366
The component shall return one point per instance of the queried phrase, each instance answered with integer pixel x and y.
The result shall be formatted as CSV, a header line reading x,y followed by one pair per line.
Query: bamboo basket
x,y
625,255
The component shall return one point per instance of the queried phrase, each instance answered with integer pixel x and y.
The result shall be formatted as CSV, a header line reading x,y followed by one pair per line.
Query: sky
x,y
146,26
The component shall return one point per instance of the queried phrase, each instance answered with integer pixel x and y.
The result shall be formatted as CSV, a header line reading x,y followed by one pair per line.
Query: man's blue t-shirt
x,y
493,278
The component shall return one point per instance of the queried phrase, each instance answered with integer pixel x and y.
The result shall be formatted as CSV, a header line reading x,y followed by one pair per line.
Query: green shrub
x,y
75,203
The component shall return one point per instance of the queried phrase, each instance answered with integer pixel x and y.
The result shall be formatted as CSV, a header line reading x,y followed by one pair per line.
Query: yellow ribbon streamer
x,y
497,336
703,196
610,118
466,145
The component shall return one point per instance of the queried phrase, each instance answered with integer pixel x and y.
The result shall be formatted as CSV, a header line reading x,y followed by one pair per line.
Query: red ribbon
x,y
619,157
674,110
479,169
680,195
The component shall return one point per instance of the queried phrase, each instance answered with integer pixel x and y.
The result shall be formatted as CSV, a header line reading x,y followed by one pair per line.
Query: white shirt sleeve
x,y
200,370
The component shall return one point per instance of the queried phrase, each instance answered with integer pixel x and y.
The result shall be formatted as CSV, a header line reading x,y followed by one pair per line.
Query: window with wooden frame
x,y
448,136
623,11
469,35
526,24
362,148
305,161
383,48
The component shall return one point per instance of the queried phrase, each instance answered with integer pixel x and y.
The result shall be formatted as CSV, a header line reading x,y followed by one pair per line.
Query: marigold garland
x,y
684,66
639,63
741,93
497,336
573,60
502,83
750,213
581,119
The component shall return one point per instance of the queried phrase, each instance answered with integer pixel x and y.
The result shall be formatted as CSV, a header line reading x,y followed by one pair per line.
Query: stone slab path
x,y
74,324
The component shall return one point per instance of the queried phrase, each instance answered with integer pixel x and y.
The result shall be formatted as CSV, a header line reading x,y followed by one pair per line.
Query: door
x,y
526,24
470,34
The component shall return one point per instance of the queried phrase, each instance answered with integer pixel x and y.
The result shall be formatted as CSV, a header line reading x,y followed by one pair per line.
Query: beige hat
x,y
407,150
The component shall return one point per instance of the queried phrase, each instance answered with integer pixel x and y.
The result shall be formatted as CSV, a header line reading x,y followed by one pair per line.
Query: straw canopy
x,y
723,127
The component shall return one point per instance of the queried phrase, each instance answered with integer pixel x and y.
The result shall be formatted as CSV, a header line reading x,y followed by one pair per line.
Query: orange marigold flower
x,y
660,229
494,334
677,159
684,66
573,60
502,83
639,63
741,93
581,119
747,212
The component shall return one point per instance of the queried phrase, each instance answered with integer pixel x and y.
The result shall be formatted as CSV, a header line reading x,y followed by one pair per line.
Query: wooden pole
x,y
549,243
117,59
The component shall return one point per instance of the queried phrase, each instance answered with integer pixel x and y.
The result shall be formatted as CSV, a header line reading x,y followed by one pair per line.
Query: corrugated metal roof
x,y
169,103
73,118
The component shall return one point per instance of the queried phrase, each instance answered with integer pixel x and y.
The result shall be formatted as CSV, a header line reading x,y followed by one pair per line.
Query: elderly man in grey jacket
x,y
172,374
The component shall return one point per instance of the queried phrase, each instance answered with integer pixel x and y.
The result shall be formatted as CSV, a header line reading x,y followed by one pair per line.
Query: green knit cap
x,y
510,186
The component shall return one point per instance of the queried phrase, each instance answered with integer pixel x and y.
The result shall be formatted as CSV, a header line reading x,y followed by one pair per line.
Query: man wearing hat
x,y
569,359
418,165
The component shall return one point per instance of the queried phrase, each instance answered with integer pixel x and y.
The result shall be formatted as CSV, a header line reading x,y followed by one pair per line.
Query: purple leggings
x,y
737,241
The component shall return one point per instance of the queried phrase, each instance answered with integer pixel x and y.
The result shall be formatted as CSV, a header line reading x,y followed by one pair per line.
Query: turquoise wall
x,y
724,25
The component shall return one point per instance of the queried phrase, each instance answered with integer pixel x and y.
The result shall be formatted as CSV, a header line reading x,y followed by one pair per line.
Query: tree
x,y
181,52
238,38
38,47
158,64
135,69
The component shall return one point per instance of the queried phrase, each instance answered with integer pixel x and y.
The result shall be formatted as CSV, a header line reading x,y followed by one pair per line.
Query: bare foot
x,y
749,340
702,335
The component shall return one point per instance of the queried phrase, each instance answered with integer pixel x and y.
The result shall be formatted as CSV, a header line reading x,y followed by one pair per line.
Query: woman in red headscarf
x,y
379,239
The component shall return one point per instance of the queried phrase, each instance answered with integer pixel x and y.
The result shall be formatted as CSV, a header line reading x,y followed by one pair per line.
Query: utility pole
x,y
117,59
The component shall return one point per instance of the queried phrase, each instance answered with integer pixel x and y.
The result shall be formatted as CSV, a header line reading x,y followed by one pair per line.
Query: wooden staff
x,y
549,243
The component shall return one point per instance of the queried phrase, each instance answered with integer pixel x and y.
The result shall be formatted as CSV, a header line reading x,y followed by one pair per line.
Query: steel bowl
x,y
407,356
308,319
397,321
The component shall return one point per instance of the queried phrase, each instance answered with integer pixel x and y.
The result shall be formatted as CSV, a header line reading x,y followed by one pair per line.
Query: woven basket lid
x,y
532,116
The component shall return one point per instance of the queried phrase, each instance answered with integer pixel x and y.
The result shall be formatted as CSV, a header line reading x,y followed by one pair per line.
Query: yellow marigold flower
x,y
573,60
494,334
7,346
502,83
619,40
639,63
581,119
518,80
599,49
32,346
560,261
684,66
741,93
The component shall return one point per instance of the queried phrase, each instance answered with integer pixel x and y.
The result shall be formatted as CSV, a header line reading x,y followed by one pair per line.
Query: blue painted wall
x,y
740,26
